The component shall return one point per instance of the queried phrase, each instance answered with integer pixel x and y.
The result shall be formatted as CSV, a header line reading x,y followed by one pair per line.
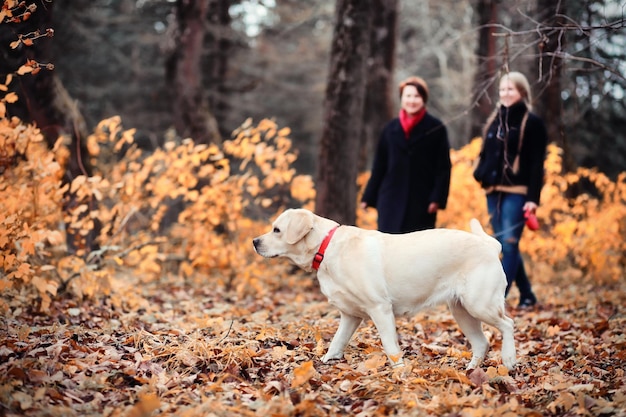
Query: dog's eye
x,y
276,230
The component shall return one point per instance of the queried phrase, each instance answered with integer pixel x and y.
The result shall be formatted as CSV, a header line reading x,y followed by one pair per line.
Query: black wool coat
x,y
501,147
409,174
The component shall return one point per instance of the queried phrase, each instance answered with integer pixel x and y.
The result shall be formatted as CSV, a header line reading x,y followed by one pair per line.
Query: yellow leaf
x,y
376,361
77,183
150,266
303,374
9,261
23,272
503,371
45,286
145,406
187,180
24,69
303,188
553,330
11,97
28,246
186,269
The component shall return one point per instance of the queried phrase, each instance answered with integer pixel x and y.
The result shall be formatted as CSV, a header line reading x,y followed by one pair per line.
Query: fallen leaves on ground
x,y
189,348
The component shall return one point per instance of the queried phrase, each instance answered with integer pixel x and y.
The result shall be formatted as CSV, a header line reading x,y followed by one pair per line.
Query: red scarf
x,y
408,122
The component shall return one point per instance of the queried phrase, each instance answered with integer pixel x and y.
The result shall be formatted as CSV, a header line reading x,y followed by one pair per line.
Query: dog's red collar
x,y
319,256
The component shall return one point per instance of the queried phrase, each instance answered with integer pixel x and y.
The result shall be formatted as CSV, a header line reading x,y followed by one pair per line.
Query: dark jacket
x,y
497,167
409,174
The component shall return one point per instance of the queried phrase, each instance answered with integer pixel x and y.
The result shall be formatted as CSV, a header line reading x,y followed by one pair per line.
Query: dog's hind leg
x,y
347,326
495,315
472,329
502,322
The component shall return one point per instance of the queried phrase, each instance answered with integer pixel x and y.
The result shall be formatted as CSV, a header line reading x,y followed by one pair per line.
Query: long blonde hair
x,y
522,85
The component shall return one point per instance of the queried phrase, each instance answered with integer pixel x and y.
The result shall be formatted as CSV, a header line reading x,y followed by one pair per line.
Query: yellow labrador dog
x,y
369,274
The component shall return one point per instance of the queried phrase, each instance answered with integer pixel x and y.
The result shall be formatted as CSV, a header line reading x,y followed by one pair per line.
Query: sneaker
x,y
527,303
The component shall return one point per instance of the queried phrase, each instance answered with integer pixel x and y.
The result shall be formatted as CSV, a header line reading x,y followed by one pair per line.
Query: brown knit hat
x,y
418,83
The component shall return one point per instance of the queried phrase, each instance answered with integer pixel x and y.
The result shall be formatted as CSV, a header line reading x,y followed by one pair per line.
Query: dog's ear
x,y
300,224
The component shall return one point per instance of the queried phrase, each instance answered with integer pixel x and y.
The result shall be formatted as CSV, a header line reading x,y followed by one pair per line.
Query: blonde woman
x,y
511,173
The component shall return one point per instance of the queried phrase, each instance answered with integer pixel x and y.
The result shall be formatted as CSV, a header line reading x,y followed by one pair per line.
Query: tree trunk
x,y
379,103
548,101
485,80
192,117
343,112
219,46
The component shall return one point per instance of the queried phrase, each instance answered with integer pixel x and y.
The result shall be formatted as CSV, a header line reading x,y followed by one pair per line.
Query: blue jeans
x,y
507,220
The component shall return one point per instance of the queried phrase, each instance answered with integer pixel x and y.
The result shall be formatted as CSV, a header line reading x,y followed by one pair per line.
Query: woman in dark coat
x,y
410,177
511,173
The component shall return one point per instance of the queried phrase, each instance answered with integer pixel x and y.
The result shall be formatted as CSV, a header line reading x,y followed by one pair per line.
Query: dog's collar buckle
x,y
319,256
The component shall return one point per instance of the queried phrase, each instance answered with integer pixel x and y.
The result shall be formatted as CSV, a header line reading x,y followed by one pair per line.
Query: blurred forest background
x,y
200,68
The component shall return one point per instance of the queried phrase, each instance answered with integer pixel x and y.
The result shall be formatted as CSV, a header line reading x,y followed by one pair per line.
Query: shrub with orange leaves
x,y
181,209
581,234
204,199
30,199
234,208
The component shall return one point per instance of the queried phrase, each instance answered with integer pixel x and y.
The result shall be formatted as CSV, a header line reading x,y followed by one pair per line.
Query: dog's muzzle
x,y
256,242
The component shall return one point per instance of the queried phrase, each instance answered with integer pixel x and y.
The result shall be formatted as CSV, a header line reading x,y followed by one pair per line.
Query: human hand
x,y
530,206
363,205
529,214
433,207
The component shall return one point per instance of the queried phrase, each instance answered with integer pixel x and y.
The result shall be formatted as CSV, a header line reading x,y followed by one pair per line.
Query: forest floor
x,y
191,348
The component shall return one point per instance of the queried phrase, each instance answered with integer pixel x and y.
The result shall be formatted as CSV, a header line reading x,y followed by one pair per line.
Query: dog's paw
x,y
396,360
474,363
329,357
399,364
509,363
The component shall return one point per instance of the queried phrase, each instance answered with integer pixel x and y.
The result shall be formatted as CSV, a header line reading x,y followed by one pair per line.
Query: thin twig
x,y
227,333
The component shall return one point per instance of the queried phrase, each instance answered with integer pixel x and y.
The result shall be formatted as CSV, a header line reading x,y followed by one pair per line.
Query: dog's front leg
x,y
385,322
347,326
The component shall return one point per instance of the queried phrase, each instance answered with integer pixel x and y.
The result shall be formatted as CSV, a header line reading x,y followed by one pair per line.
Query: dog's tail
x,y
478,230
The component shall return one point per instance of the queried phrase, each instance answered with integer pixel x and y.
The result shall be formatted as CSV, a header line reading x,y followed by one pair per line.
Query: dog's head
x,y
296,234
